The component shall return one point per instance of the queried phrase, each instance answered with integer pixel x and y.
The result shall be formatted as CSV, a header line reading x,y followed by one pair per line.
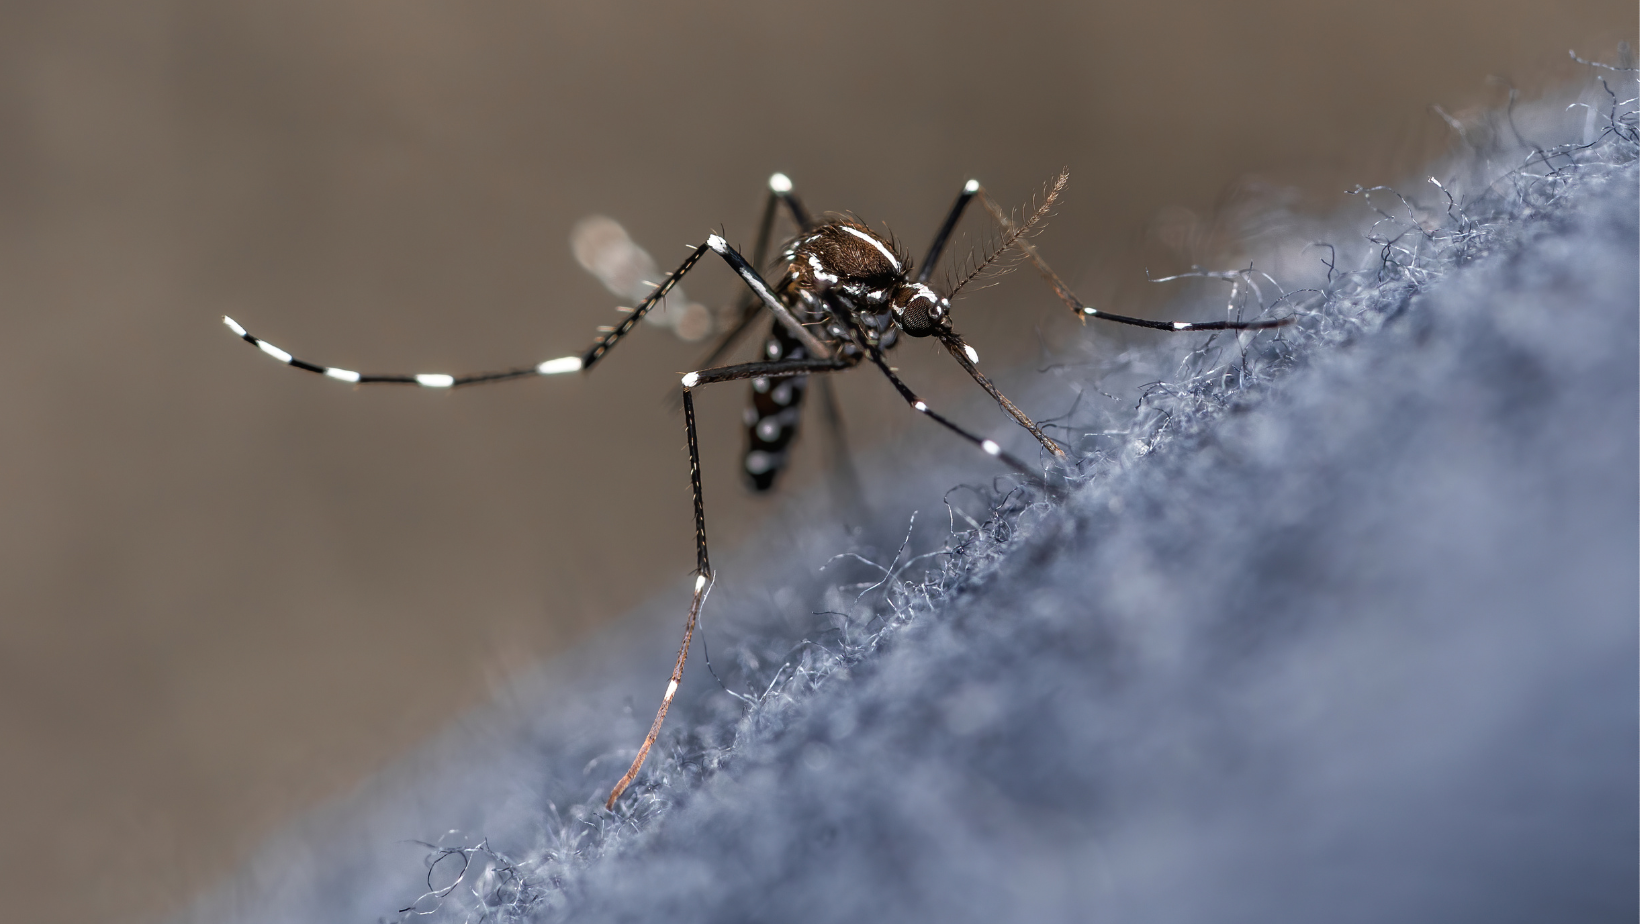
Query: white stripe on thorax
x,y
889,255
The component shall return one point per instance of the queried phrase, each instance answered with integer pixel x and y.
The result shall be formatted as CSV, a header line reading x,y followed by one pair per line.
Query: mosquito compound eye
x,y
919,310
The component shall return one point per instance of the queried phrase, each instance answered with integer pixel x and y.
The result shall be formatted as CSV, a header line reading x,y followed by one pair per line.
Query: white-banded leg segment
x,y
703,585
562,364
438,380
1088,311
966,357
607,342
774,405
749,306
780,186
703,561
559,366
761,289
989,447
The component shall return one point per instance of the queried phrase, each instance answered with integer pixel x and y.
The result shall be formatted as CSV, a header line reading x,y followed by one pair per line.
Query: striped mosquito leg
x,y
1088,311
607,342
780,186
966,356
749,306
703,584
969,189
991,447
768,370
557,366
703,562
761,290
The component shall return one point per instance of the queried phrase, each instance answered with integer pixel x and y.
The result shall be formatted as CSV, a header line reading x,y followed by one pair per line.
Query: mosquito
x,y
845,294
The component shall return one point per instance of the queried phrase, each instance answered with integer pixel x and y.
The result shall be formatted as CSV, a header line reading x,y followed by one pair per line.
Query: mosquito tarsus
x,y
845,295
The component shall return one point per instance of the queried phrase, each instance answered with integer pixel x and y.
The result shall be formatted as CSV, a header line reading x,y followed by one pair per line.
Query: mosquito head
x,y
920,311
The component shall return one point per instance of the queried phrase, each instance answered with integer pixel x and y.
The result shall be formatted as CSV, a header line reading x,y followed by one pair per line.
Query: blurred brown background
x,y
231,590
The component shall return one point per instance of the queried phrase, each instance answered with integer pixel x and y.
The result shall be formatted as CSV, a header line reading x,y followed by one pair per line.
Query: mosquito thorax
x,y
847,256
919,310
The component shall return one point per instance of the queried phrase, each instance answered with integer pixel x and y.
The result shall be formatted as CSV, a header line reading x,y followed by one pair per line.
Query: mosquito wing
x,y
604,249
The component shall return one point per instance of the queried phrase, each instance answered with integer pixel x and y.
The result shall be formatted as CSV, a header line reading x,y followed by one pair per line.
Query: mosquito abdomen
x,y
774,413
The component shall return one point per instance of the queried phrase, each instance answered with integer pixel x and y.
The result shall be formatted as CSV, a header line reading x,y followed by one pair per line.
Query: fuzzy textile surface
x,y
1338,623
